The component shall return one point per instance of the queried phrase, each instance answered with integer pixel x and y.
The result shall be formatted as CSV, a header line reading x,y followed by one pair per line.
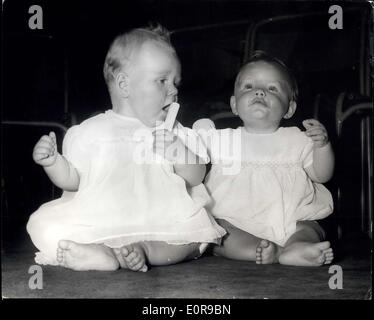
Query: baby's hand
x,y
168,145
316,131
45,151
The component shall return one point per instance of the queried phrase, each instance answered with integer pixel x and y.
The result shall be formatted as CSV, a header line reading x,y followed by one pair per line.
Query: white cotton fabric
x,y
121,201
270,191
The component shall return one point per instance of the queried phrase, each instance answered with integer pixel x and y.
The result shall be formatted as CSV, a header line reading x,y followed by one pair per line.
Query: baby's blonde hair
x,y
125,45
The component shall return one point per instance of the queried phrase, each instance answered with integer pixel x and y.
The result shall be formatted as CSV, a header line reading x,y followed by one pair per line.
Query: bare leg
x,y
84,257
156,253
237,244
306,246
161,253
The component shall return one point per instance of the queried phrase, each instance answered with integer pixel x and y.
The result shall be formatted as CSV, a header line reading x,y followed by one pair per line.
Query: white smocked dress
x,y
121,200
267,190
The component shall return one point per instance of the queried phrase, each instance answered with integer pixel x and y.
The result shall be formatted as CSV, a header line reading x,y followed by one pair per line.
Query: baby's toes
x,y
329,254
329,258
126,250
59,255
133,261
132,255
258,258
137,265
321,259
326,251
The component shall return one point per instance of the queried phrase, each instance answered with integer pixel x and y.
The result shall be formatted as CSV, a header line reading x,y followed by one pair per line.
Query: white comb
x,y
171,116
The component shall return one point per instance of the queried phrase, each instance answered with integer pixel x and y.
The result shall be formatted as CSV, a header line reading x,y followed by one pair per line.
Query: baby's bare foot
x,y
266,252
307,254
329,255
132,257
84,257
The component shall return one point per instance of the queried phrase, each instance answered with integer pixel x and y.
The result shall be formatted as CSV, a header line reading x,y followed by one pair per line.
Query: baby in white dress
x,y
120,209
270,198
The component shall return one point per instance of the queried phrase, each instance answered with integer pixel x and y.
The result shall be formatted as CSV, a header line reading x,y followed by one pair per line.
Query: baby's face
x,y
262,94
154,75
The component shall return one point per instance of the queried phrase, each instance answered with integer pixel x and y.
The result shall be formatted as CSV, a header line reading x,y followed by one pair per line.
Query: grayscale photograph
x,y
191,152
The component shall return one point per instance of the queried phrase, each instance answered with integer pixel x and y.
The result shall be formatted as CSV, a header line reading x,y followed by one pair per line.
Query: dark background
x,y
55,75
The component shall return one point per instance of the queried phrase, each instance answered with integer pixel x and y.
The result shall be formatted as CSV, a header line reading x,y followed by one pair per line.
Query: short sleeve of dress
x,y
194,142
73,148
205,129
307,153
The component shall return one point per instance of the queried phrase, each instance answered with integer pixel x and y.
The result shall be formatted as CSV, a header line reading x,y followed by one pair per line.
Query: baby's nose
x,y
260,93
173,90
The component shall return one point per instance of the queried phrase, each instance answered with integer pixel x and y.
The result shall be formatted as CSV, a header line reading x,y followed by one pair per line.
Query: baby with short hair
x,y
116,211
269,206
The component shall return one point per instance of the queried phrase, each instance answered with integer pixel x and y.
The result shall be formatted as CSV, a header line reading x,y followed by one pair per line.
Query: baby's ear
x,y
291,109
122,84
233,105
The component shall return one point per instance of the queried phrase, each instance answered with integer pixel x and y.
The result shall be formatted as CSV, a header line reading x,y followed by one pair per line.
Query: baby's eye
x,y
162,81
273,88
248,86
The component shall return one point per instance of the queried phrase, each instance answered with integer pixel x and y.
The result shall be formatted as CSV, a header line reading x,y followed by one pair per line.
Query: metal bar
x,y
370,65
36,124
362,61
338,113
222,115
362,198
338,124
357,107
247,46
287,17
279,19
211,26
316,104
39,124
369,174
66,81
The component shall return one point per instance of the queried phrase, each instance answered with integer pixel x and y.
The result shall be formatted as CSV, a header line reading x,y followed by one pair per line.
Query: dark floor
x,y
209,277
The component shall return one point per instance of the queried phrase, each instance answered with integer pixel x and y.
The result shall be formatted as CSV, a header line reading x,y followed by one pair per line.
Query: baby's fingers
x,y
52,135
48,150
319,138
42,153
40,156
309,123
45,141
316,131
45,146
